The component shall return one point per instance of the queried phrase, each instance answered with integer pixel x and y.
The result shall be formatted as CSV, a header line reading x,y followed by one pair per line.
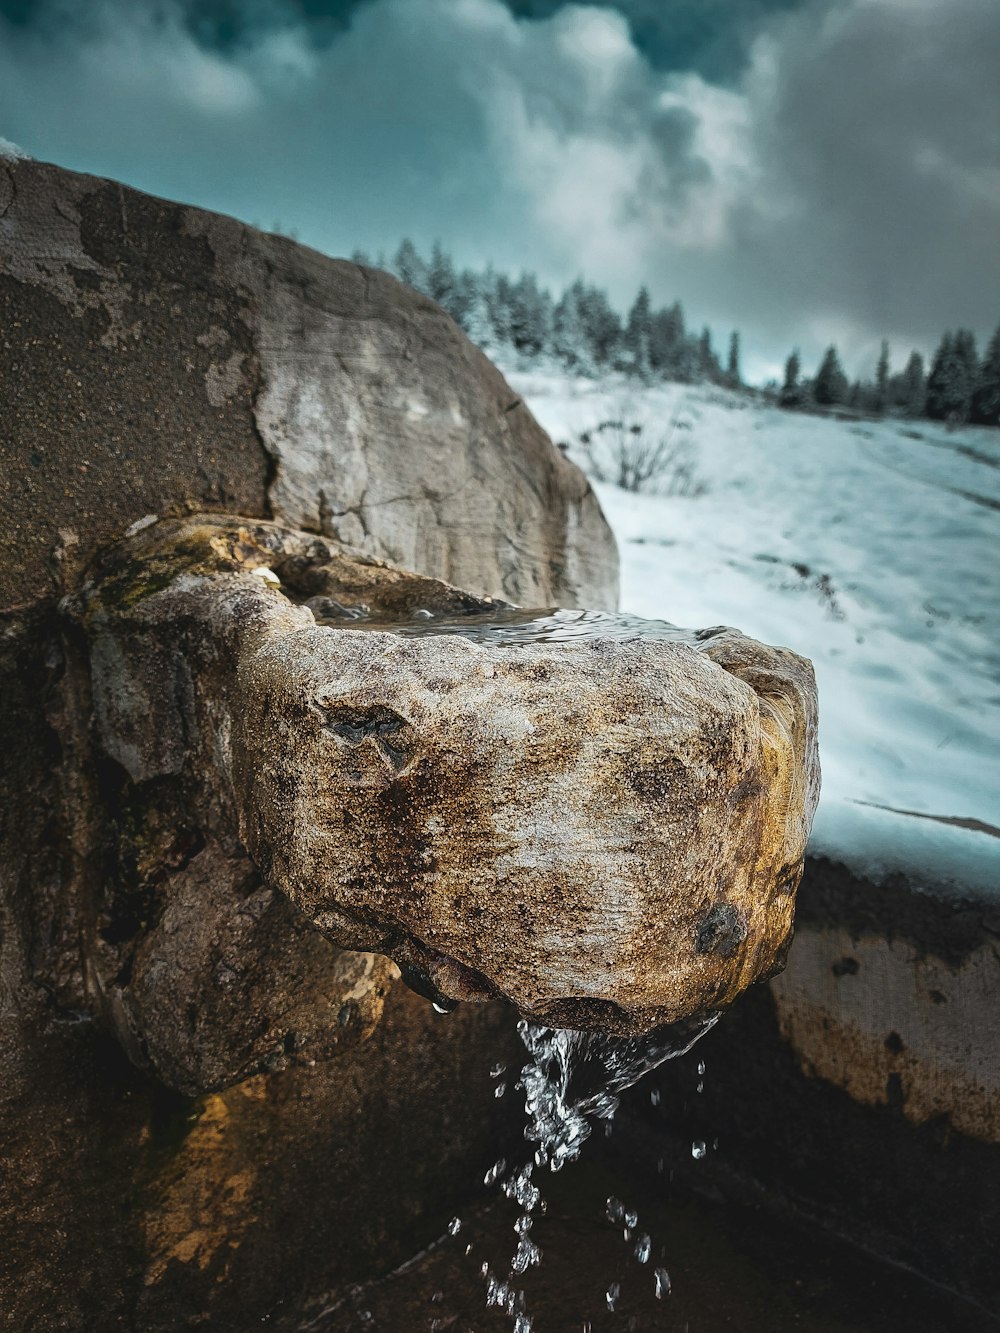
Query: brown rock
x,y
606,833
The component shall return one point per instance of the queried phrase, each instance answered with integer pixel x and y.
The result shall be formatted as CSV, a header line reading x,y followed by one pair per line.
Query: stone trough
x,y
599,821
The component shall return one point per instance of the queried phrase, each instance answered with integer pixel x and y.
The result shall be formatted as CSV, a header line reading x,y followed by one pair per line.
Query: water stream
x,y
572,1080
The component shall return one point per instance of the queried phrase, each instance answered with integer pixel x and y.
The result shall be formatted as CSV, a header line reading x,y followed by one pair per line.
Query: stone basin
x,y
598,819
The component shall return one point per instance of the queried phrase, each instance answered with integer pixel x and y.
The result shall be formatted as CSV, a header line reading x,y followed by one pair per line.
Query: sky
x,y
807,171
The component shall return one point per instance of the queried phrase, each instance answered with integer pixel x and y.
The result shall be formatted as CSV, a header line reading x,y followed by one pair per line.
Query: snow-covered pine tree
x,y
667,338
830,384
986,394
471,309
569,337
733,365
791,390
441,277
409,267
881,402
637,336
529,316
912,391
602,327
952,378
706,366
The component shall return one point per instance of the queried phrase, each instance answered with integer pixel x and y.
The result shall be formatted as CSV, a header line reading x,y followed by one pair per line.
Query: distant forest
x,y
580,331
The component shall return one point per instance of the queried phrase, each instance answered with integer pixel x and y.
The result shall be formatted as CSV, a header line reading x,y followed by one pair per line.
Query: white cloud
x,y
846,187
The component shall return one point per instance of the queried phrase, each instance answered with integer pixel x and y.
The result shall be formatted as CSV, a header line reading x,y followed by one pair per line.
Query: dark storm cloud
x,y
711,37
834,176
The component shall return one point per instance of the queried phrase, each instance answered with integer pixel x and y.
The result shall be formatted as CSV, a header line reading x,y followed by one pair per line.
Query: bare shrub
x,y
631,454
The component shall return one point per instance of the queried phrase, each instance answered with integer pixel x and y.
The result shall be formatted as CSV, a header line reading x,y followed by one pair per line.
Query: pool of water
x,y
519,626
732,1269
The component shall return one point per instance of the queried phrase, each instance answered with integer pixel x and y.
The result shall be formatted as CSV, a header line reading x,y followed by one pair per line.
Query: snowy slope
x,y
873,552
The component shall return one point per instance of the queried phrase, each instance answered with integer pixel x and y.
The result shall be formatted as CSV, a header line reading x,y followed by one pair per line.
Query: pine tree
x,y
986,395
601,325
497,293
707,362
666,341
409,267
791,391
473,311
882,379
830,385
359,257
638,331
913,390
733,368
529,316
440,276
953,375
569,339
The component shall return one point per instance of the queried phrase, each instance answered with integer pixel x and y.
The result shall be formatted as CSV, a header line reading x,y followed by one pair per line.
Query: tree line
x,y
959,386
578,330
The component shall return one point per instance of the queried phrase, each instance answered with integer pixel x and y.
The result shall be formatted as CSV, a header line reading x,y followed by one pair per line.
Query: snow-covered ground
x,y
871,547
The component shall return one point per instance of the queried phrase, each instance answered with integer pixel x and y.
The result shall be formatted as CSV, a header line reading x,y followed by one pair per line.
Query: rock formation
x,y
156,356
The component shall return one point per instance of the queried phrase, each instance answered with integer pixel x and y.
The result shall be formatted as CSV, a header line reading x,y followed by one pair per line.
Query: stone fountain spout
x,y
605,828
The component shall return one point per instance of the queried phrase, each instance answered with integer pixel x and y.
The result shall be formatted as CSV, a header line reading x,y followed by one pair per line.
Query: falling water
x,y
570,1081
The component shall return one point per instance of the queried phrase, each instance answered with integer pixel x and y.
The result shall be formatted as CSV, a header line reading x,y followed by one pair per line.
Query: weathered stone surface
x,y
156,357
607,834
231,979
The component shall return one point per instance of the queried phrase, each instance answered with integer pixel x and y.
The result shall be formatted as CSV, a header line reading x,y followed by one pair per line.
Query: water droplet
x,y
661,1283
626,1235
499,1090
654,1097
421,614
497,1070
612,1294
365,1316
698,1150
701,1068
659,1166
443,1008
614,1209
701,1085
522,1324
643,1249
468,1248
454,1226
437,1297
526,1254
495,1172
